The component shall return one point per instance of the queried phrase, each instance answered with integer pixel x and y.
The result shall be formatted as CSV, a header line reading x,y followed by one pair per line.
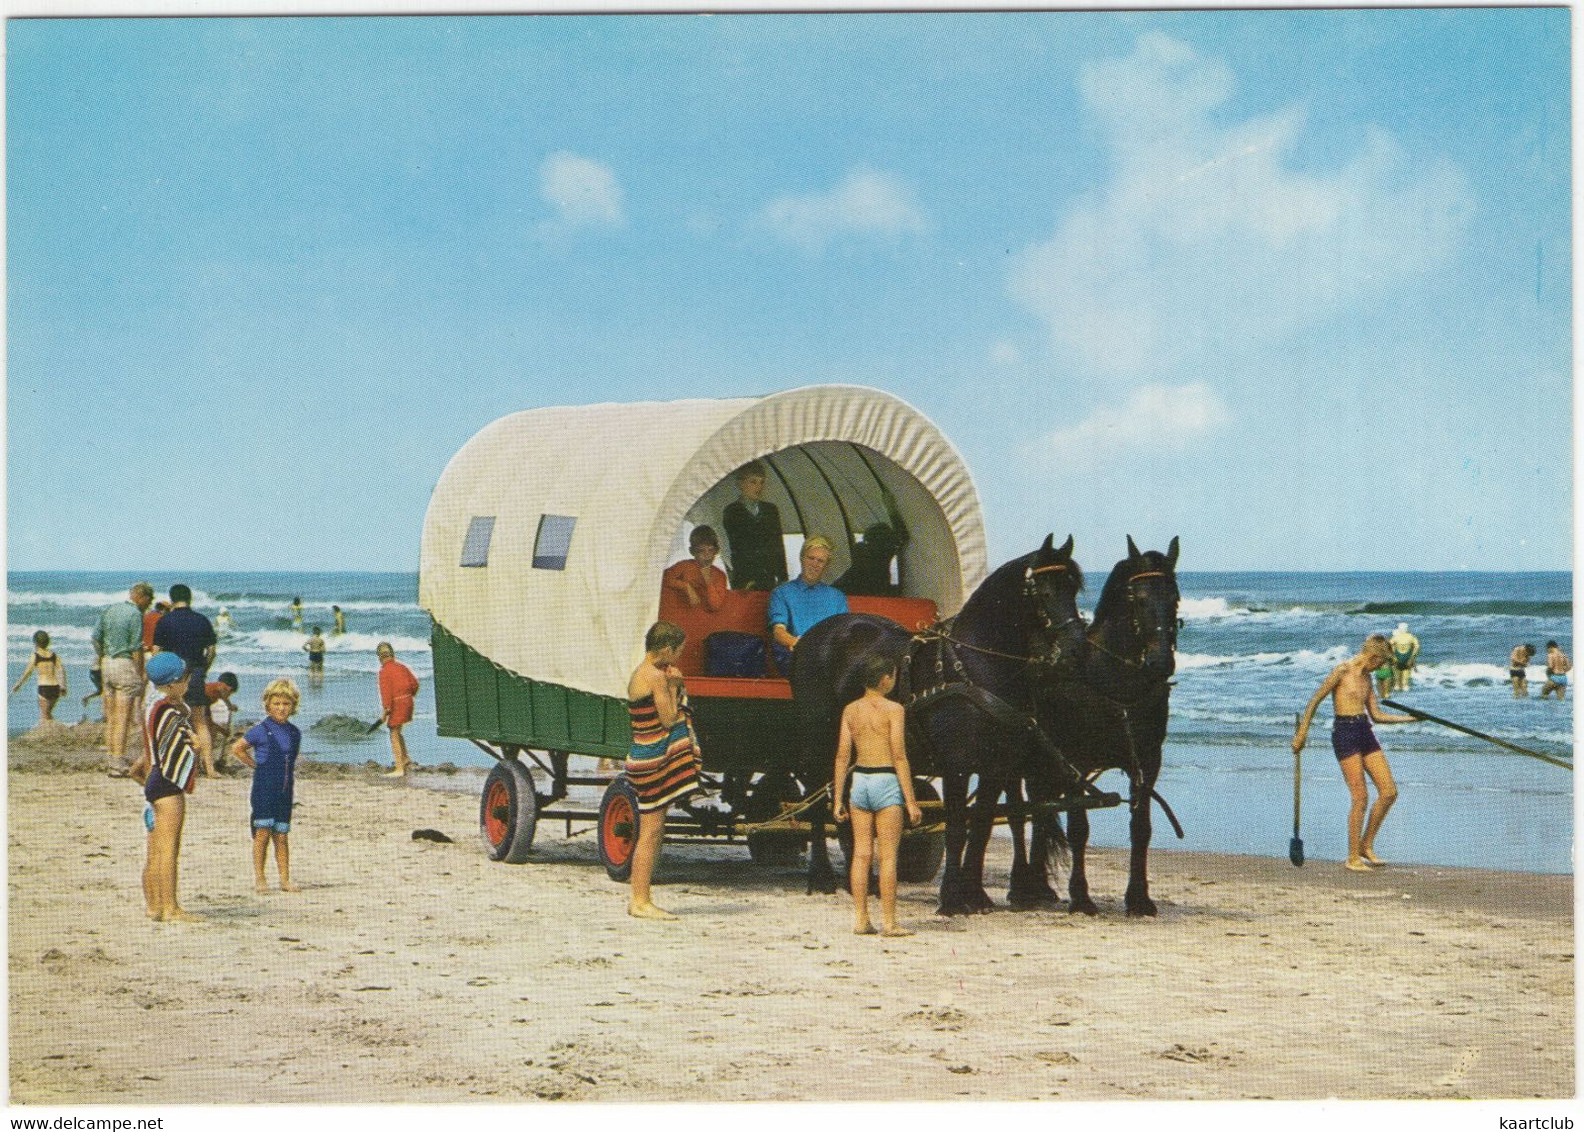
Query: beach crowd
x,y
151,667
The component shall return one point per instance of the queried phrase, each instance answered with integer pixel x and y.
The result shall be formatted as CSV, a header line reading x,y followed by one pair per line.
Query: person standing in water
x,y
1518,670
51,676
1357,750
1557,667
1405,654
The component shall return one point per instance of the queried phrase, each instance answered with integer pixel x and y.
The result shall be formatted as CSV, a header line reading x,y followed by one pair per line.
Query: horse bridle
x,y
1051,628
1160,631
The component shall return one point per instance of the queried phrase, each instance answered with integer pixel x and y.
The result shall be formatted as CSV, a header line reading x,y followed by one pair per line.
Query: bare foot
x,y
648,912
395,774
182,916
152,913
261,886
1358,865
894,931
288,886
1369,856
865,929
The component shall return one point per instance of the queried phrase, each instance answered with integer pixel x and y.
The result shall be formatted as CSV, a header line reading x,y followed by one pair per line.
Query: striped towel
x,y
662,764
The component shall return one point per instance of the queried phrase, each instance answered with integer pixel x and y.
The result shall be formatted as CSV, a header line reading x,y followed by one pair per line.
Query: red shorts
x,y
401,711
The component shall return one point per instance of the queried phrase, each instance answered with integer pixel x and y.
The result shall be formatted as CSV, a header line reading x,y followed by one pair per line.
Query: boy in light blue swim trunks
x,y
872,742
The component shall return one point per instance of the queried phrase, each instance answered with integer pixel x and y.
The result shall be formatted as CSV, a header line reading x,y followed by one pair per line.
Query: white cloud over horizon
x,y
584,192
1205,239
1166,418
866,202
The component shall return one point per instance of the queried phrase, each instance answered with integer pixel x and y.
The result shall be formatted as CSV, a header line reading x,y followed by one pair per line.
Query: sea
x,y
1252,650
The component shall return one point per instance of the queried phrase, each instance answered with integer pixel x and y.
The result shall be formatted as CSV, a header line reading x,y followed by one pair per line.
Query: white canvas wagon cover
x,y
548,531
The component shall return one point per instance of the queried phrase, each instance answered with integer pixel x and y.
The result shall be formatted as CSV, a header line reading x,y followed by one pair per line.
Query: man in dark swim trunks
x,y
1357,750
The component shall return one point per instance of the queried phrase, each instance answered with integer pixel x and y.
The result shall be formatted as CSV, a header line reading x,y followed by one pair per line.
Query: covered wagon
x,y
542,554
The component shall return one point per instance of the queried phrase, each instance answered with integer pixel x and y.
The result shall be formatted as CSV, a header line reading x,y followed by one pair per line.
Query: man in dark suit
x,y
753,534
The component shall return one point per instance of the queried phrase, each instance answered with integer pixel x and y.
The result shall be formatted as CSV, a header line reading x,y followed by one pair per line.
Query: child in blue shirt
x,y
270,747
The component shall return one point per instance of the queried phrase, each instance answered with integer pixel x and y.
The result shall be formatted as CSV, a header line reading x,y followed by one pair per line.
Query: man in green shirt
x,y
118,639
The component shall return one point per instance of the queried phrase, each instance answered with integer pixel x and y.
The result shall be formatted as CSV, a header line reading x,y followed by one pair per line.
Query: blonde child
x,y
51,676
1353,742
873,727
165,768
275,742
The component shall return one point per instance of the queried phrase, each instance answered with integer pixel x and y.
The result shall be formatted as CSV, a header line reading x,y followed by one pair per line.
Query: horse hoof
x,y
1145,907
1087,907
1029,900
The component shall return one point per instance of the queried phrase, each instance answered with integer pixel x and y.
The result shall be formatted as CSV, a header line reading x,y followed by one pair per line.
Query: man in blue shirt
x,y
799,605
118,640
187,633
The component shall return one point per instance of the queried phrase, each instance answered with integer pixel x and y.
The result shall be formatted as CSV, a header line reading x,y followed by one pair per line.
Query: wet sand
x,y
419,971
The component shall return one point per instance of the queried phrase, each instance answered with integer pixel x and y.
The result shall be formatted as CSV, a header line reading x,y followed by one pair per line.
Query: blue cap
x,y
164,668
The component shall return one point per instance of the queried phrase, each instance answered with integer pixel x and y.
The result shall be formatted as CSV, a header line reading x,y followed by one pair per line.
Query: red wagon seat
x,y
746,611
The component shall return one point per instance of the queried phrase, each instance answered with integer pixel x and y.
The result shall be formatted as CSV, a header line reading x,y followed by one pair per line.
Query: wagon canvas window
x,y
553,542
475,547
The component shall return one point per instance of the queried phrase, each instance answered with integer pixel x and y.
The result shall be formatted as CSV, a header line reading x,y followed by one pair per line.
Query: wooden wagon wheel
x,y
508,812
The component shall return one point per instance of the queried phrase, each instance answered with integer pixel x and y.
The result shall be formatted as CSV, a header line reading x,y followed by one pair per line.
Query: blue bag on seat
x,y
734,654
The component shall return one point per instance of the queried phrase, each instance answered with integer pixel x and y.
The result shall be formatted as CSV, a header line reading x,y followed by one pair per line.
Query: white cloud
x,y
1157,418
865,202
1207,238
583,191
1004,353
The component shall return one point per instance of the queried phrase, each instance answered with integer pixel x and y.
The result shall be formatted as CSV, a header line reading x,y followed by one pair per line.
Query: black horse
x,y
1114,715
968,685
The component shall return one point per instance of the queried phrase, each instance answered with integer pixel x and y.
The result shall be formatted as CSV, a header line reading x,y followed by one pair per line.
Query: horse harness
x,y
960,686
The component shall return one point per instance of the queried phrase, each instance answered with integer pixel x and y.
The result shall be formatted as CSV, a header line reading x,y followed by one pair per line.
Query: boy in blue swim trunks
x,y
1353,740
872,728
270,747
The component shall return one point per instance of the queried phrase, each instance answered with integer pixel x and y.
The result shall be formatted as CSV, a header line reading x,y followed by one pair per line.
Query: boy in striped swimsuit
x,y
663,762
166,771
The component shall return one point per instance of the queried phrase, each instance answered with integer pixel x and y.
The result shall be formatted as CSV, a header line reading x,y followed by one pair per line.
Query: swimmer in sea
x,y
1405,654
1557,667
1353,741
1518,670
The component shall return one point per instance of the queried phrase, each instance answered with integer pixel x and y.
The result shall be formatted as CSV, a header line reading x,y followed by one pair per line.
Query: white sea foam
x,y
59,634
76,599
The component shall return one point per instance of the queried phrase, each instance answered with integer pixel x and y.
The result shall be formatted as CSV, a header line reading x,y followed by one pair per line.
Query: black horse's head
x,y
1052,580
1137,615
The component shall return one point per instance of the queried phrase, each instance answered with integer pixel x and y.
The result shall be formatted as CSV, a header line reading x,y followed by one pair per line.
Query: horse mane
x,y
1008,577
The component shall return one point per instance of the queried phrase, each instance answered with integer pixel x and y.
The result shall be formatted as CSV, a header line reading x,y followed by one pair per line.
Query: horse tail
x,y
1058,851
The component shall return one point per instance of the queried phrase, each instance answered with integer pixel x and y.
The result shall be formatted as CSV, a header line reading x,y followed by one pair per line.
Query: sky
x,y
1294,286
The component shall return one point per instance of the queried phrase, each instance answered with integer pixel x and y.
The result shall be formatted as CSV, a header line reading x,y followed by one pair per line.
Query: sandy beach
x,y
419,971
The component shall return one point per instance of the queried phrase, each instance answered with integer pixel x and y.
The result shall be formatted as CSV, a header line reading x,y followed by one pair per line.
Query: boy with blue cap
x,y
166,771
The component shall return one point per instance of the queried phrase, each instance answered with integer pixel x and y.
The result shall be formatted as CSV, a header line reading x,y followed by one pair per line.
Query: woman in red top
x,y
398,687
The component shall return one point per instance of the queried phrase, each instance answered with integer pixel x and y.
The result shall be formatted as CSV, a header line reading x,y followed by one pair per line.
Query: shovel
x,y
1295,848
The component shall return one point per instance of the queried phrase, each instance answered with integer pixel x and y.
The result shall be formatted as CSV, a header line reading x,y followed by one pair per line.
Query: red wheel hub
x,y
497,810
619,831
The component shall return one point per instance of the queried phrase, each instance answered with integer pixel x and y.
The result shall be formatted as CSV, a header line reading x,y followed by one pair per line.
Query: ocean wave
x,y
1479,607
291,641
58,633
74,600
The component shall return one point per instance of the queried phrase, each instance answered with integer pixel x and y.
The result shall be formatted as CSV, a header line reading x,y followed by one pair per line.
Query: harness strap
x,y
998,710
